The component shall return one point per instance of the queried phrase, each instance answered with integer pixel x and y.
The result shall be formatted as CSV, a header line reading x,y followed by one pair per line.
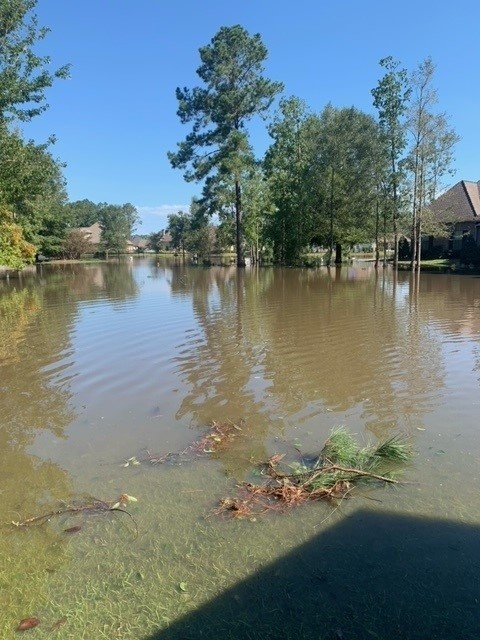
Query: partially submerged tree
x,y
15,251
235,91
31,184
155,240
390,98
344,167
287,164
75,244
179,226
431,150
118,223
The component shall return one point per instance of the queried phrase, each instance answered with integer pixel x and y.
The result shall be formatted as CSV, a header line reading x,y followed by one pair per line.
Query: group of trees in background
x,y
35,215
116,221
332,179
31,182
335,178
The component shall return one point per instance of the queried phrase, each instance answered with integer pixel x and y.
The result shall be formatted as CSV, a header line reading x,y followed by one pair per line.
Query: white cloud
x,y
155,218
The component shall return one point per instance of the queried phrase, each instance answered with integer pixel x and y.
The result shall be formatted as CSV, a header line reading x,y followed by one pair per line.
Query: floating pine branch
x,y
333,474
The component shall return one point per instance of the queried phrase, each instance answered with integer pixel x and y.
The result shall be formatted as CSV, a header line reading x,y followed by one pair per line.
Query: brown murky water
x,y
101,362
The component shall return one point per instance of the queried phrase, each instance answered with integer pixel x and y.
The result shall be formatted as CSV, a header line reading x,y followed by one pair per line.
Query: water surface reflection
x,y
98,362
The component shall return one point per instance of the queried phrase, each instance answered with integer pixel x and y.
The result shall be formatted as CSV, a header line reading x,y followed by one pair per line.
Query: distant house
x,y
166,241
459,208
140,244
93,233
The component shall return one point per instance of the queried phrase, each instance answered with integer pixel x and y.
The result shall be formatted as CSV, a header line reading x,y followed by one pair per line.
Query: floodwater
x,y
101,363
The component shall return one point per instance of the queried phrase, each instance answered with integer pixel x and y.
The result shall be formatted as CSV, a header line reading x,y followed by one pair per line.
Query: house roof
x,y
461,203
141,243
93,233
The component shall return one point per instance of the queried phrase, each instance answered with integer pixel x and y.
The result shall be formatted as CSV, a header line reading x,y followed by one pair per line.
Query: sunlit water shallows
x,y
104,363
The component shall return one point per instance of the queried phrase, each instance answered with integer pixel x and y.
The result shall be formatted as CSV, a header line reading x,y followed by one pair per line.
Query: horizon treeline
x,y
334,179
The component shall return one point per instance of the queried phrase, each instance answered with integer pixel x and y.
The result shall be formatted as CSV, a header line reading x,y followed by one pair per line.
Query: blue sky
x,y
115,118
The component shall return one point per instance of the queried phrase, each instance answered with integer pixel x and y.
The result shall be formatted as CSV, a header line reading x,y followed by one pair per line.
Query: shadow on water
x,y
373,575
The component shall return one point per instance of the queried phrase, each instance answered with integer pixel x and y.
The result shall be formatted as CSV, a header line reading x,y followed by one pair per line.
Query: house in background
x,y
459,208
140,244
93,233
166,241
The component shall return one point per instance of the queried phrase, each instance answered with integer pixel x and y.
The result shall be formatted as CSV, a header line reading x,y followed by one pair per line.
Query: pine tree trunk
x,y
238,222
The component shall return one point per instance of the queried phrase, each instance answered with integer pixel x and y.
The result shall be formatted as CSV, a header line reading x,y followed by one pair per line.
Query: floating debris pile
x,y
217,438
333,474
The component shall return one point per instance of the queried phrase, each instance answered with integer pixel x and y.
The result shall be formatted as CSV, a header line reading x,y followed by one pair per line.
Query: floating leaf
x,y
182,586
28,623
131,461
115,506
74,529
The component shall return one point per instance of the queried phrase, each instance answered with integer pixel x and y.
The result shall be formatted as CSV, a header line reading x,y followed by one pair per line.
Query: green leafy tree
x,y
84,213
31,186
201,241
430,156
235,91
390,98
344,172
287,163
24,75
179,225
75,245
131,216
15,251
259,209
155,240
117,225
31,183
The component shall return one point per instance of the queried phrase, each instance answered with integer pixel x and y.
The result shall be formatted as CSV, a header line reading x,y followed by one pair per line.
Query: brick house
x,y
459,208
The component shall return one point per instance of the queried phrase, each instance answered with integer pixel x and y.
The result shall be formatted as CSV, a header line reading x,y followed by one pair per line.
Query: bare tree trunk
x,y
413,243
395,230
395,209
238,223
331,216
421,201
377,233
384,240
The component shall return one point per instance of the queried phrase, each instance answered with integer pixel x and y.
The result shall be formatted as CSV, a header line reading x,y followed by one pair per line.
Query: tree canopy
x,y
235,90
332,178
24,75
